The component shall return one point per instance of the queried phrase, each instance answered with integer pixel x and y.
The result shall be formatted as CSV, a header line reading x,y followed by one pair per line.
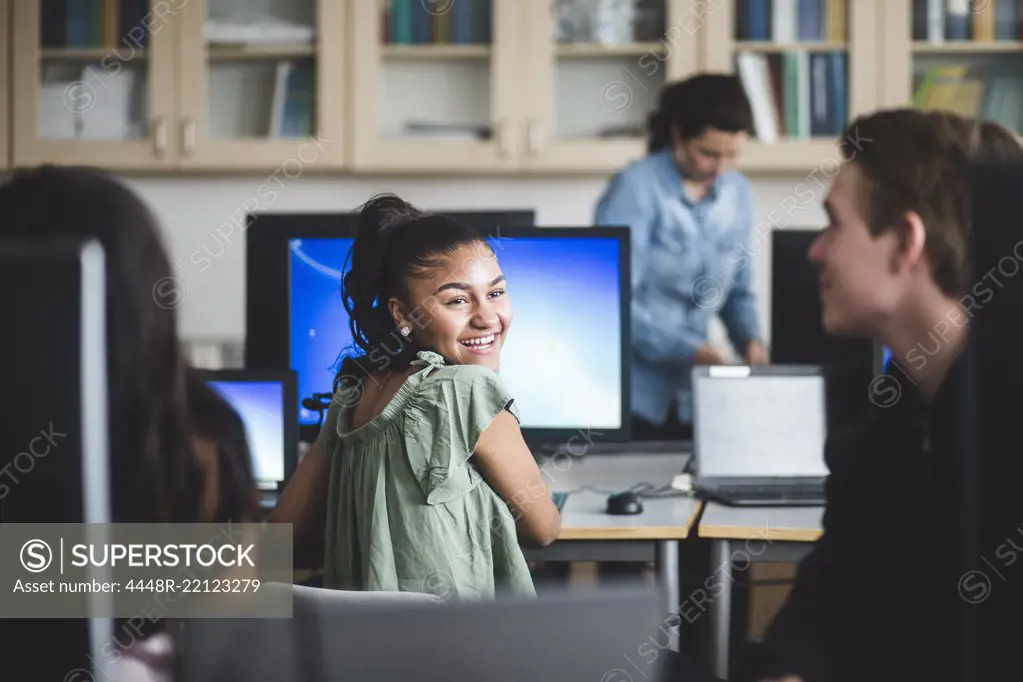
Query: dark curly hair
x,y
707,100
394,241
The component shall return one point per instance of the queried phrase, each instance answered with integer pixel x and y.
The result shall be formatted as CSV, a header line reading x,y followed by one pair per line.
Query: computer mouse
x,y
626,503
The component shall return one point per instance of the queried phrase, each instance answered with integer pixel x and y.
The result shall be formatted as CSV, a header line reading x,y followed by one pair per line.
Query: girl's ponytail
x,y
364,288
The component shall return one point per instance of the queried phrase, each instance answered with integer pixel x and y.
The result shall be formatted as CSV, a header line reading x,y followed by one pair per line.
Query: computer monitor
x,y
982,434
565,359
797,333
798,336
55,459
265,400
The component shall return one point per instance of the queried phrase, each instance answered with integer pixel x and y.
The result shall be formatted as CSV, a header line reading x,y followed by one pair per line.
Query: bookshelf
x,y
5,153
284,87
251,93
809,67
962,56
82,84
595,71
204,84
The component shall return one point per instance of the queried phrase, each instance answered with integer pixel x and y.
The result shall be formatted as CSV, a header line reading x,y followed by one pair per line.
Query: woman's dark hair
x,y
156,405
155,477
393,241
691,106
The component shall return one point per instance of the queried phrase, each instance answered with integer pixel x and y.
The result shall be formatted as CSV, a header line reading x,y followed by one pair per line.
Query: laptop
x,y
266,402
759,434
564,636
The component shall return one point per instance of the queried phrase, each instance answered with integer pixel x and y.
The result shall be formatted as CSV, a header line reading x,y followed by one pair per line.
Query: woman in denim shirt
x,y
690,216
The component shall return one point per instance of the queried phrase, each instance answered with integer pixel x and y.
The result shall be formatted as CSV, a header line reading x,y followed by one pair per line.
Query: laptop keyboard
x,y
761,492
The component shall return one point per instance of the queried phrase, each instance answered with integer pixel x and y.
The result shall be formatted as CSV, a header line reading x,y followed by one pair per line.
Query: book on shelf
x,y
294,100
447,131
254,30
973,92
83,24
937,21
796,94
441,22
791,21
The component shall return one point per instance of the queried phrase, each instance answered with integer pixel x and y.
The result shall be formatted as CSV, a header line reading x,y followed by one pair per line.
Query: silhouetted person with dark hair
x,y
690,215
178,451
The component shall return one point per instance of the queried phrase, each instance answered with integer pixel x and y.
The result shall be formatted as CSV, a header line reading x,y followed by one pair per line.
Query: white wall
x,y
194,209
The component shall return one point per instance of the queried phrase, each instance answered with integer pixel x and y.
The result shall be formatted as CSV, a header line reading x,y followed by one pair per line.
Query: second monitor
x,y
565,357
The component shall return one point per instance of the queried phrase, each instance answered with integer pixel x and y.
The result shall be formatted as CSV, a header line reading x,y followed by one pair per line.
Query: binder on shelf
x,y
791,21
293,105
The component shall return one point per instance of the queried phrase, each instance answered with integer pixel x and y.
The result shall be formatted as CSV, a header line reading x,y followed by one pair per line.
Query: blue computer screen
x,y
562,357
260,404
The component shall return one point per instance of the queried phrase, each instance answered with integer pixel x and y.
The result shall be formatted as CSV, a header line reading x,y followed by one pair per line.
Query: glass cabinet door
x,y
435,84
808,67
93,82
262,84
964,56
596,71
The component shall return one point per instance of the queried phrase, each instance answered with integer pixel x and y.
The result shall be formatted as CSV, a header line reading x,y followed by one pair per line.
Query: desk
x,y
588,533
745,534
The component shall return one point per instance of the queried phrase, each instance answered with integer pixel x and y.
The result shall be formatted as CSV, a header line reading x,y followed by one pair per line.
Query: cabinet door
x,y
5,150
947,56
262,85
596,71
93,83
808,66
436,85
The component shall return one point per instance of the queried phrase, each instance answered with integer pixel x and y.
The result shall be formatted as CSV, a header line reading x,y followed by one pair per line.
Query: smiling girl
x,y
420,473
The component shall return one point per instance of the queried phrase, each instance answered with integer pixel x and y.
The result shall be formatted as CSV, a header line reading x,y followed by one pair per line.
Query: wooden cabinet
x,y
261,98
817,71
436,85
958,56
594,75
179,84
5,86
509,85
474,86
97,94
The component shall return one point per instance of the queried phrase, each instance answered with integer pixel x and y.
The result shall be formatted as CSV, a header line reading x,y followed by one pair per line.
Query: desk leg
x,y
668,576
721,610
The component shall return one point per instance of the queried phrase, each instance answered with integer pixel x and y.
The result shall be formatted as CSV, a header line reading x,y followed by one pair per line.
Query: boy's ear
x,y
913,244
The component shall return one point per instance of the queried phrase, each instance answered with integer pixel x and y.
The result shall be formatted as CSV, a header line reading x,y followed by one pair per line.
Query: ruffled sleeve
x,y
444,423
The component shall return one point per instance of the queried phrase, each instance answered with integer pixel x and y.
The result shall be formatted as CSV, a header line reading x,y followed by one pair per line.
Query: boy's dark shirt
x,y
877,599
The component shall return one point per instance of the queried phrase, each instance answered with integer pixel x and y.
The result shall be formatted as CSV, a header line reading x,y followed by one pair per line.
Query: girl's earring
x,y
405,331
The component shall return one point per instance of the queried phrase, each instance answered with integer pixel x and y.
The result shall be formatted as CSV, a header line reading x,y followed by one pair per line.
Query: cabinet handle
x,y
505,141
535,137
160,135
188,134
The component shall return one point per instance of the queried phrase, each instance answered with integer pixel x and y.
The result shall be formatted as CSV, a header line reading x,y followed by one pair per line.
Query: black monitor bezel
x,y
289,382
267,341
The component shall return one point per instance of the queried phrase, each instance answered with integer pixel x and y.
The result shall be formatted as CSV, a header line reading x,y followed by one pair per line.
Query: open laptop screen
x,y
766,423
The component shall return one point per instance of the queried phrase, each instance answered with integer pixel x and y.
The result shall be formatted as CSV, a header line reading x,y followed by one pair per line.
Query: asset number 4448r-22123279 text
x,y
194,585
